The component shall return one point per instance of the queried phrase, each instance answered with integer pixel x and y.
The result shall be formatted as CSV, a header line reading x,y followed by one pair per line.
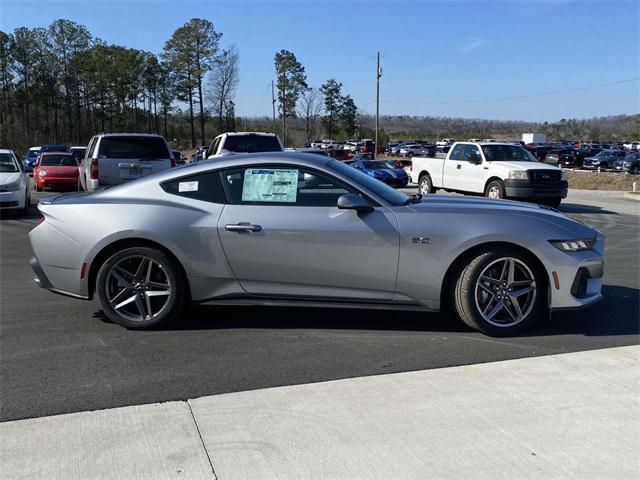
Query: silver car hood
x,y
486,206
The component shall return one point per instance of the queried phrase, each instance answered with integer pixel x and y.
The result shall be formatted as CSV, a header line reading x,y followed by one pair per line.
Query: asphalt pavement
x,y
60,355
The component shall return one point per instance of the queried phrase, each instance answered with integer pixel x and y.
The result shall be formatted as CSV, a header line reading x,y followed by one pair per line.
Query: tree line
x,y
61,84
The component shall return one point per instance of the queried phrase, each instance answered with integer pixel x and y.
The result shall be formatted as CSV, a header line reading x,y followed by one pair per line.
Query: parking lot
x,y
59,355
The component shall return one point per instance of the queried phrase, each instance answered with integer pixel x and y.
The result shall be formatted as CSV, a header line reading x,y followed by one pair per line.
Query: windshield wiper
x,y
415,198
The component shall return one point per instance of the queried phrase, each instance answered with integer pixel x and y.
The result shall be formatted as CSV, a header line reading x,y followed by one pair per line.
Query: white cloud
x,y
473,45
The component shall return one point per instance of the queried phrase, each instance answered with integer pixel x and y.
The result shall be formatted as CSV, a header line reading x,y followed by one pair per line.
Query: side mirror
x,y
352,201
475,158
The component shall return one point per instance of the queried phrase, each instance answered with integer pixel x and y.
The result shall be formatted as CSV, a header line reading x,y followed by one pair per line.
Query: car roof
x,y
46,154
6,150
264,134
128,134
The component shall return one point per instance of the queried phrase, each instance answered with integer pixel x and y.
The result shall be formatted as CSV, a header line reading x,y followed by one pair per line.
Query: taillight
x,y
173,162
93,171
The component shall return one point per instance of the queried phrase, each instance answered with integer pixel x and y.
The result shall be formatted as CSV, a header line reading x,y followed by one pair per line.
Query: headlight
x,y
563,176
42,173
573,245
13,186
518,174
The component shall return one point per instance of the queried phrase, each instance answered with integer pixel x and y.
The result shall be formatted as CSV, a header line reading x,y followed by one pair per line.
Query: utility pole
x,y
378,75
273,106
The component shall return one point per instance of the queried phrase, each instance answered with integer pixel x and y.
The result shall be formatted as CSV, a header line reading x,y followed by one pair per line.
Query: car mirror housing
x,y
353,201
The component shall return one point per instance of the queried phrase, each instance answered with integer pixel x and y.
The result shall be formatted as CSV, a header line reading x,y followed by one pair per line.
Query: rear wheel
x,y
634,169
425,185
501,292
141,288
494,189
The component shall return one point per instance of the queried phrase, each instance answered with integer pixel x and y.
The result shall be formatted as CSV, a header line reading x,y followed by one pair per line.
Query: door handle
x,y
459,167
243,227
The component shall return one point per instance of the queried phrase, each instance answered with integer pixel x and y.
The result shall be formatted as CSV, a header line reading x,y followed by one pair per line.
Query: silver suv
x,y
115,158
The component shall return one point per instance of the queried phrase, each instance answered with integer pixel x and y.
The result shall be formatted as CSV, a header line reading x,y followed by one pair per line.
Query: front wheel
x,y
141,288
501,292
494,189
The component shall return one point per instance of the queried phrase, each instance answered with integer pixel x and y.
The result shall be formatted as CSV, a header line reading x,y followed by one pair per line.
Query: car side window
x,y
282,185
203,186
469,151
92,147
456,153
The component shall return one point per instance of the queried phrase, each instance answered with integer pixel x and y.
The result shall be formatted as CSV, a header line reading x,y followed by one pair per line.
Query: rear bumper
x,y
525,189
43,281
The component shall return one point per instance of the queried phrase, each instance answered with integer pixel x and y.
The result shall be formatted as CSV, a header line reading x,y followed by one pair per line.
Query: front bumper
x,y
526,189
575,279
396,182
11,200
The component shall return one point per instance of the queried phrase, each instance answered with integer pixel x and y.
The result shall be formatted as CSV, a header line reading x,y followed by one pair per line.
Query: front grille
x,y
8,204
579,287
544,176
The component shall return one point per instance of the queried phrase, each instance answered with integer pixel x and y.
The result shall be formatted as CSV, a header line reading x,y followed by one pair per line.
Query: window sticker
x,y
188,186
270,185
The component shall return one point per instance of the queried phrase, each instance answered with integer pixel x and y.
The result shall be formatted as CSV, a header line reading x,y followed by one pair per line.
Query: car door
x,y
284,236
453,169
472,174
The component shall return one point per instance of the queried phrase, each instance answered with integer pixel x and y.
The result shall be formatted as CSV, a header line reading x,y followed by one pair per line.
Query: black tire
x,y
466,305
24,211
410,154
634,169
495,186
425,185
173,307
552,202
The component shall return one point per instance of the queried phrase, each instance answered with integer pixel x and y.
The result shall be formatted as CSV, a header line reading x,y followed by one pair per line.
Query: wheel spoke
x,y
522,291
515,317
486,289
516,306
118,276
157,293
126,302
120,295
497,307
140,306
521,283
149,269
141,268
147,299
512,271
158,285
492,281
124,273
505,270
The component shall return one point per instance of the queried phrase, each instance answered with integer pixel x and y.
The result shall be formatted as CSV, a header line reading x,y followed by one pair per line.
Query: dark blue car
x,y
30,158
395,177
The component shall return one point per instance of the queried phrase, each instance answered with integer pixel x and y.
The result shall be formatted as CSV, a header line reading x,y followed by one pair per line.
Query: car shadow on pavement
x,y
580,208
618,314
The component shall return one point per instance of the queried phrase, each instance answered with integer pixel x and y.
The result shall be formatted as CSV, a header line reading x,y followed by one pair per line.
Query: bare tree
x,y
309,111
222,85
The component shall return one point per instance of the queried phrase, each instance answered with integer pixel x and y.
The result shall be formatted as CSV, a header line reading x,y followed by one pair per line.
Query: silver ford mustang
x,y
301,229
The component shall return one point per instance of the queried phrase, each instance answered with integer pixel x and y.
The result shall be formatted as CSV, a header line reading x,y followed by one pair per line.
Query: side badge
x,y
425,240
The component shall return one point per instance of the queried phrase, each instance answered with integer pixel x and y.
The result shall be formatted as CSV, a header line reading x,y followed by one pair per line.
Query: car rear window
x,y
58,160
252,143
203,186
142,148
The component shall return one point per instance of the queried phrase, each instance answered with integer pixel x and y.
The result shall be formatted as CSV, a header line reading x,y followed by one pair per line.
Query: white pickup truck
x,y
230,143
495,170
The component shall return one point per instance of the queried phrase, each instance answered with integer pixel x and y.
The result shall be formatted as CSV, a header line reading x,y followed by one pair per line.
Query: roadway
x,y
60,355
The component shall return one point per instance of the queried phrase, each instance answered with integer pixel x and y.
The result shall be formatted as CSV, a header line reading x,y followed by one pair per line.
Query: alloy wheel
x,y
138,288
494,192
505,292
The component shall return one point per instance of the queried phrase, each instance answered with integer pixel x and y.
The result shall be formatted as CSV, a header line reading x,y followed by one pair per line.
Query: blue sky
x,y
453,58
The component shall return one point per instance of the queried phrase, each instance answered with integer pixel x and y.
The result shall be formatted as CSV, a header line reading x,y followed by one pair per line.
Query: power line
x,y
516,97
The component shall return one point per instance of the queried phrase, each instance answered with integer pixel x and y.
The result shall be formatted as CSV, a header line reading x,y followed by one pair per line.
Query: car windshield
x,y
144,148
252,143
389,194
32,153
54,148
498,153
8,163
375,165
58,161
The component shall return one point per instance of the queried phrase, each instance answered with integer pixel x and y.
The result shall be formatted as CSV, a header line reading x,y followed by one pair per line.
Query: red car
x,y
54,170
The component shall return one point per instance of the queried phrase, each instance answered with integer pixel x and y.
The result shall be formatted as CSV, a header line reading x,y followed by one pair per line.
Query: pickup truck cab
x,y
495,170
231,143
